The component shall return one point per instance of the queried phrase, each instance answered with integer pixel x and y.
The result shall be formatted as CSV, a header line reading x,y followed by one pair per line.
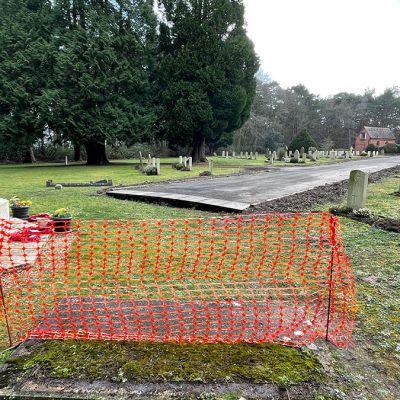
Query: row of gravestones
x,y
313,155
244,155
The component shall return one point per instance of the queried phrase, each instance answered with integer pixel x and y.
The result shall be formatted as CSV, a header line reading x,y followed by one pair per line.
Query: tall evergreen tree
x,y
26,63
207,68
101,89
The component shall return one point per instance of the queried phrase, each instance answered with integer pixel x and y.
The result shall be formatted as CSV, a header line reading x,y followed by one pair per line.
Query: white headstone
x,y
255,155
185,161
227,154
190,163
246,155
296,155
223,153
271,158
66,160
180,160
357,153
290,153
210,166
158,166
233,154
251,155
4,209
357,189
153,161
241,154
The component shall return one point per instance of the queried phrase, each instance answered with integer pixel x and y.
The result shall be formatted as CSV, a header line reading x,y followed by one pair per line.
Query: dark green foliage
x,y
206,74
391,148
150,170
372,147
101,87
26,62
303,139
294,160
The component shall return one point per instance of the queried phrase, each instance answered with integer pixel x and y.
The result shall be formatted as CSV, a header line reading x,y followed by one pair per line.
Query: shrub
x,y
294,160
178,166
372,147
280,154
363,154
303,139
205,173
150,170
391,148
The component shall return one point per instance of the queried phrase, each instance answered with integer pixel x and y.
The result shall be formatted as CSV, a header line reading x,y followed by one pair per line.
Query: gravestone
x,y
296,155
304,158
290,153
251,155
357,153
158,166
210,166
190,162
382,152
271,158
369,154
149,160
246,155
185,161
347,155
180,160
153,162
233,154
274,154
223,153
357,189
241,154
227,154
314,156
256,155
301,151
4,209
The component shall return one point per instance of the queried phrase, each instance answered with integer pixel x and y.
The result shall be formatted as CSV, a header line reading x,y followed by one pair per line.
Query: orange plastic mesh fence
x,y
280,278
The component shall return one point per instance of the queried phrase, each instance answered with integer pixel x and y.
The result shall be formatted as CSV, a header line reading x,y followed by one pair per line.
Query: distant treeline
x,y
278,115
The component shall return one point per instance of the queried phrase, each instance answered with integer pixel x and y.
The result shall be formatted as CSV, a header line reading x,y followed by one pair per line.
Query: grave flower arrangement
x,y
16,203
62,213
20,208
62,220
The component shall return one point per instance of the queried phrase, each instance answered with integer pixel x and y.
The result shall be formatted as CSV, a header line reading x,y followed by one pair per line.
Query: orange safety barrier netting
x,y
280,278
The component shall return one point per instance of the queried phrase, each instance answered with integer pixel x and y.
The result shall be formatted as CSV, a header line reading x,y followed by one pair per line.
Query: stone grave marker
x,y
210,166
296,155
223,153
4,209
158,166
256,155
357,189
180,160
190,162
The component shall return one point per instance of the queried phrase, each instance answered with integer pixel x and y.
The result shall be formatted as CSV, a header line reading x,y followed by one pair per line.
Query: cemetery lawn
x,y
370,369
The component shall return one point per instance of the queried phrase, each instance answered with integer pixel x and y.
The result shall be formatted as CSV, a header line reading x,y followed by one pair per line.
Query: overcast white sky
x,y
330,46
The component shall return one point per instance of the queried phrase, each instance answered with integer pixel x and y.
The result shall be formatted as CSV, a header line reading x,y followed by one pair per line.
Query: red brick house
x,y
376,136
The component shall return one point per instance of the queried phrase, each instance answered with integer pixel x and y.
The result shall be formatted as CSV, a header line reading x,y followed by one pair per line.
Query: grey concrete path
x,y
252,189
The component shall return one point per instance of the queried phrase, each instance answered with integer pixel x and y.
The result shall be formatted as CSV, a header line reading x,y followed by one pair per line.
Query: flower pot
x,y
20,212
62,224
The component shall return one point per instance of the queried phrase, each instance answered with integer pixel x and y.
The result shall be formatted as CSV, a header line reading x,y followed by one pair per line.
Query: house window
x,y
363,136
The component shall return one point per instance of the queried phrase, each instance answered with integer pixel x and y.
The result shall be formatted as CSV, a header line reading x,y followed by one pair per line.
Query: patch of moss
x,y
144,361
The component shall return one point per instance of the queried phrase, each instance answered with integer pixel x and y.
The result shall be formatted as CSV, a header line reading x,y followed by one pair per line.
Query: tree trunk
x,y
29,157
199,149
96,153
77,152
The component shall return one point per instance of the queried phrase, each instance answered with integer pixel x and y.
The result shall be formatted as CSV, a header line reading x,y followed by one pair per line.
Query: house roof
x,y
379,133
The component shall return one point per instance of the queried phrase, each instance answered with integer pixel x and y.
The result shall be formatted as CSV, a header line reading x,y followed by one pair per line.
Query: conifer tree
x,y
26,62
206,74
